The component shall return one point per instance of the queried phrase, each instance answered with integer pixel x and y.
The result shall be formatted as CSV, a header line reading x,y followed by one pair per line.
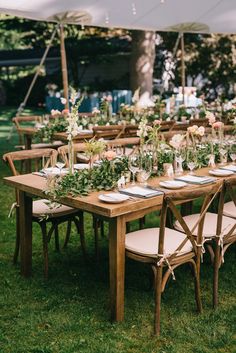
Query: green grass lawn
x,y
70,312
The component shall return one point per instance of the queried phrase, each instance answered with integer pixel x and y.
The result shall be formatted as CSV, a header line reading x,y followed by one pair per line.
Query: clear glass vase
x,y
71,156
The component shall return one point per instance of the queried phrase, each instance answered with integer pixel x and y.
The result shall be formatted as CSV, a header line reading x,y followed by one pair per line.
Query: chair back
x,y
63,151
108,131
199,122
127,144
171,201
167,125
229,190
38,158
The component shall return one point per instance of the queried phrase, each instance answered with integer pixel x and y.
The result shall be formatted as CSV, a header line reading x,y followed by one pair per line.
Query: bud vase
x,y
71,156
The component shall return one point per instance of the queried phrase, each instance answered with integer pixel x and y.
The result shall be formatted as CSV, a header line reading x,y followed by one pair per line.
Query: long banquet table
x,y
117,215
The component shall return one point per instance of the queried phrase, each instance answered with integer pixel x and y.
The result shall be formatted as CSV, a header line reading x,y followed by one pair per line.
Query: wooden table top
x,y
35,185
62,136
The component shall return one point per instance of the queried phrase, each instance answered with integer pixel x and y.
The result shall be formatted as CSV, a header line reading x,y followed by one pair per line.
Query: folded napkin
x,y
194,179
230,167
140,191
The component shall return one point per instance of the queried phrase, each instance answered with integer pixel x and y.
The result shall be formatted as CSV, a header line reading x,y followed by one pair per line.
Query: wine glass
x,y
146,169
191,160
223,155
134,166
60,164
180,157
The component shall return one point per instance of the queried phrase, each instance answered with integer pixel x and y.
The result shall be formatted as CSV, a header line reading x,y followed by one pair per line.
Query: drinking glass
x,y
146,169
191,160
223,155
233,153
134,166
60,164
180,157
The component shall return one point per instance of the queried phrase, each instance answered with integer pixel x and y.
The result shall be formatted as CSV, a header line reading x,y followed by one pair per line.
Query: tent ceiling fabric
x,y
202,16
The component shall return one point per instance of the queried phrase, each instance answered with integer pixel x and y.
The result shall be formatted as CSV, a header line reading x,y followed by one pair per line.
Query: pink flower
x,y
217,125
211,117
108,98
65,111
110,155
157,122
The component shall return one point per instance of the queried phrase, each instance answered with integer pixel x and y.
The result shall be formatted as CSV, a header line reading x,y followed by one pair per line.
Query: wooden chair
x,y
108,131
225,231
41,212
167,125
29,121
127,144
219,232
199,122
166,249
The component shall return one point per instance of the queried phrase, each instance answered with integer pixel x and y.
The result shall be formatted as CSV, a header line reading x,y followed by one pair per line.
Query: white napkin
x,y
140,191
230,167
193,179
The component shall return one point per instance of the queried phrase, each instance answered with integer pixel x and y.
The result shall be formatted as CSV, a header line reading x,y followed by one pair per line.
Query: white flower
x,y
55,112
96,110
200,131
234,121
193,129
211,117
177,141
63,100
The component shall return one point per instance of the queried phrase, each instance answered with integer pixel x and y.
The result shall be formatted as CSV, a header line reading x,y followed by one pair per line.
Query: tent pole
x,y
182,65
64,66
23,104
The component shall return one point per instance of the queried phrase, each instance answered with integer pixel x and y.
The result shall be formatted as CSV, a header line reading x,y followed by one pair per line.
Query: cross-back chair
x,y
42,212
108,131
127,144
225,231
29,121
166,249
219,232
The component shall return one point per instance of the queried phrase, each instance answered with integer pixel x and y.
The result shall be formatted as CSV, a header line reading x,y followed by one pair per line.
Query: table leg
x,y
25,218
117,267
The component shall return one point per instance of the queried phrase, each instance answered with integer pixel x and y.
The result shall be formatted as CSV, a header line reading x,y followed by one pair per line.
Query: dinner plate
x,y
220,172
81,166
172,184
113,198
55,171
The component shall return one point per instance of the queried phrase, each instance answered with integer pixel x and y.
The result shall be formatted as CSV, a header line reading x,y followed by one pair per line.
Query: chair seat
x,y
145,242
209,229
40,207
229,209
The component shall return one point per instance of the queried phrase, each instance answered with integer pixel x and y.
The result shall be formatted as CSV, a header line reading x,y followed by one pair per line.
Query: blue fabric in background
x,y
93,100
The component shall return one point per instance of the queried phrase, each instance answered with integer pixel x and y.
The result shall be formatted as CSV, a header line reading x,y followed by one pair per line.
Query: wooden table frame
x,y
116,214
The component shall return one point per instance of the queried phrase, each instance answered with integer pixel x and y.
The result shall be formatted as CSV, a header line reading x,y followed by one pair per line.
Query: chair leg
x,y
57,246
158,282
217,261
17,243
141,223
80,229
196,274
45,247
68,231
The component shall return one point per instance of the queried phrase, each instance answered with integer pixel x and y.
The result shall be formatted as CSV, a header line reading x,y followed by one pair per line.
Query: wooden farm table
x,y
116,214
30,132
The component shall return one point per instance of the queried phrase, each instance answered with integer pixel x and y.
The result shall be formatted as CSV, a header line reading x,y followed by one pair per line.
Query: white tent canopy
x,y
202,16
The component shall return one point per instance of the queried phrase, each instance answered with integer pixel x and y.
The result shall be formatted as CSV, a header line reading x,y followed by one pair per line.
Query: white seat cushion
x,y
40,207
229,209
145,242
209,229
